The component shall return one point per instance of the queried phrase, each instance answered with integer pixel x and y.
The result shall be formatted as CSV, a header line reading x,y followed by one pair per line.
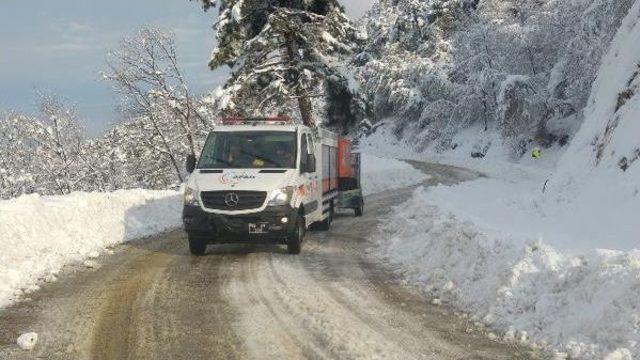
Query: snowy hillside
x,y
513,74
598,178
542,254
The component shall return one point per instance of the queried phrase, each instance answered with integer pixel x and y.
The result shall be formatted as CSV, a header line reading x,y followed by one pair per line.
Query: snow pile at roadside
x,y
380,174
584,305
39,235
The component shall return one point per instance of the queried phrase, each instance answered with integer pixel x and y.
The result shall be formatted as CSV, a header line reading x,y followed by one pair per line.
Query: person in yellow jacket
x,y
536,153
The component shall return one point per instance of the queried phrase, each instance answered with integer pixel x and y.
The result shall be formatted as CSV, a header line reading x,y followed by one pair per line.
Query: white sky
x,y
357,8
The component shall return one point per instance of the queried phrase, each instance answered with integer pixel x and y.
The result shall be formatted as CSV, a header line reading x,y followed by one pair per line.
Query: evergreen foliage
x,y
283,55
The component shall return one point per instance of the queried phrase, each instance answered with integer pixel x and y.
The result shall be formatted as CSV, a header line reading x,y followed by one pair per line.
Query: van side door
x,y
308,174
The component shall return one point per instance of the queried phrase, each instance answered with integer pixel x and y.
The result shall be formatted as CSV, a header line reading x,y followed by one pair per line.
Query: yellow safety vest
x,y
536,153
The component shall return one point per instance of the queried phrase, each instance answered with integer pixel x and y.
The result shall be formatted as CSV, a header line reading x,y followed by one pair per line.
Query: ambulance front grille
x,y
224,200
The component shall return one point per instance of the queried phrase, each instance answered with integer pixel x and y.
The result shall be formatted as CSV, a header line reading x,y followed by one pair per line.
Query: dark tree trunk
x,y
304,102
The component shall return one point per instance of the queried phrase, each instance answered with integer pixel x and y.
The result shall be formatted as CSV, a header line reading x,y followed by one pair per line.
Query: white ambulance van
x,y
262,180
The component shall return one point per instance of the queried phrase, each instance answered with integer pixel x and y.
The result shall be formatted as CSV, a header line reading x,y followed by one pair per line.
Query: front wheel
x,y
197,246
294,242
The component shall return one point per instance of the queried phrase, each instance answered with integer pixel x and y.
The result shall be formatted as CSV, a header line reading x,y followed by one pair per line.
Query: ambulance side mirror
x,y
191,163
310,164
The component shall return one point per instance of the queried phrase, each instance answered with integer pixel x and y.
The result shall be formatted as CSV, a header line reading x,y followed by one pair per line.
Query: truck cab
x,y
257,181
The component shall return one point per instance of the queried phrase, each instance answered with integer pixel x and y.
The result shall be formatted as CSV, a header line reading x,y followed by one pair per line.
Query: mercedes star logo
x,y
231,199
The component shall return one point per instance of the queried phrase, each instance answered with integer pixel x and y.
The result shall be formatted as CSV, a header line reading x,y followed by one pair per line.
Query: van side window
x,y
304,150
312,149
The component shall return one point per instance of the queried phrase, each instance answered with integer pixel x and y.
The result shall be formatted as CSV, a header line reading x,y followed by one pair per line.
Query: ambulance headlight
x,y
191,197
281,197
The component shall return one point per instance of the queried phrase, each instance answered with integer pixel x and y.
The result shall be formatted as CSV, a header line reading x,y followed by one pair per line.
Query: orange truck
x,y
341,175
349,178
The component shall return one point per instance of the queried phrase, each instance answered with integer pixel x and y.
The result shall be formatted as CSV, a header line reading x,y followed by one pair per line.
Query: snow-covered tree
x,y
41,153
281,54
47,153
17,156
124,160
145,72
424,57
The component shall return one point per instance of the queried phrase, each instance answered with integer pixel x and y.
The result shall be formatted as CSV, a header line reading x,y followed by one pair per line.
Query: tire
x,y
294,242
360,209
197,246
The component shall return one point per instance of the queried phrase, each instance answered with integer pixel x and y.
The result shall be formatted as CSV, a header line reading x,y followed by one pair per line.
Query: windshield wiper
x,y
218,160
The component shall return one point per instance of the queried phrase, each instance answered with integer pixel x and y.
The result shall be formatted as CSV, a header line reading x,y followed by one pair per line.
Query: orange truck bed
x,y
345,166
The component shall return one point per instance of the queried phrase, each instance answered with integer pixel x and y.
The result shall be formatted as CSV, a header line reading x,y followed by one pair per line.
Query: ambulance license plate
x,y
259,228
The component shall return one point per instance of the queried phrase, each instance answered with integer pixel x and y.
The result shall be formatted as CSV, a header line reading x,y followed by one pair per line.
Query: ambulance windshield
x,y
249,150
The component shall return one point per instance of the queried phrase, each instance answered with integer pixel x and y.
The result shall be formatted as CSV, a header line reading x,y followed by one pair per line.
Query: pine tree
x,y
279,52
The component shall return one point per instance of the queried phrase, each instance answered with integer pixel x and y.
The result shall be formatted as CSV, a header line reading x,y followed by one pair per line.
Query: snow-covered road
x,y
151,300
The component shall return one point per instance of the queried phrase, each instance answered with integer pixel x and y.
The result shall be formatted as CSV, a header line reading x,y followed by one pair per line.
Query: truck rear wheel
x,y
294,242
197,246
359,210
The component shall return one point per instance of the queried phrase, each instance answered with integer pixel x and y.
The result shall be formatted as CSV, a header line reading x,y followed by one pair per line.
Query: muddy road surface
x,y
151,300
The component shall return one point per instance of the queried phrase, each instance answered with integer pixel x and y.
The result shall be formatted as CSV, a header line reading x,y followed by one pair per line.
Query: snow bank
x,y
380,174
39,235
584,305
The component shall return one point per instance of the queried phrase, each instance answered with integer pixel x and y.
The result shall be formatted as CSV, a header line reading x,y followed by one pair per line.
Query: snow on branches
x,y
145,71
521,69
163,123
40,153
281,54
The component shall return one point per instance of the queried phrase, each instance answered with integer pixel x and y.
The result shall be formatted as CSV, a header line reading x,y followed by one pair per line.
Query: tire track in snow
x,y
334,325
362,302
200,323
295,346
113,336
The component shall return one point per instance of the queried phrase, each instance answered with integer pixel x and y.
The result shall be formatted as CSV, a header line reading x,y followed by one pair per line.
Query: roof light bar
x,y
276,120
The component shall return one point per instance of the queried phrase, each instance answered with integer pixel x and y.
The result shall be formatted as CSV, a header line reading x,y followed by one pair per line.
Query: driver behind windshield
x,y
249,150
240,158
284,155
